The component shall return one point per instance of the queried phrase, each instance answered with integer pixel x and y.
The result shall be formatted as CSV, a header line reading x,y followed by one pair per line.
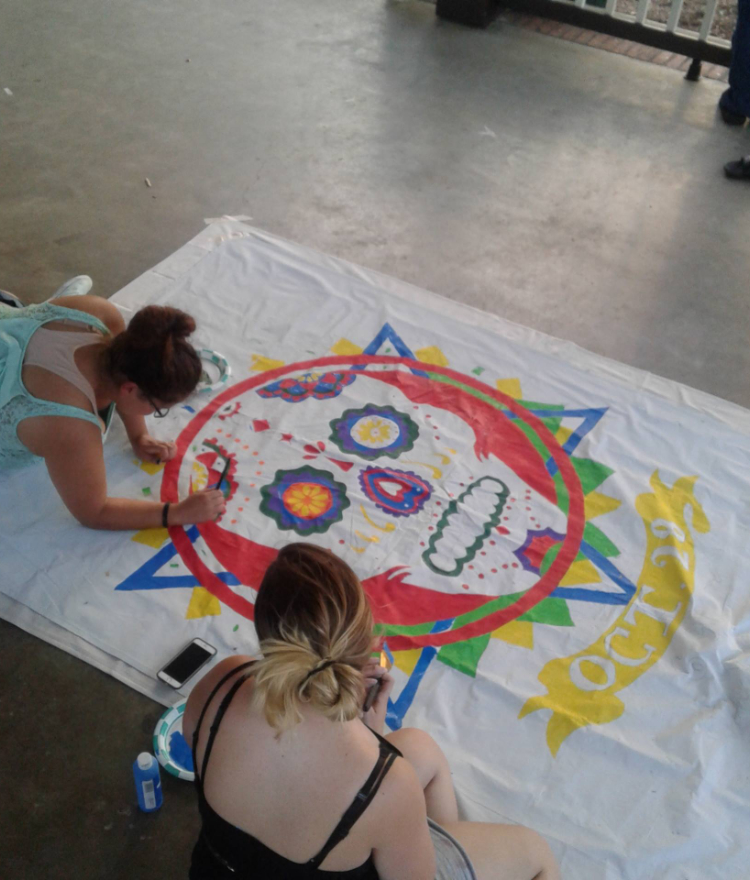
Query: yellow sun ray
x,y
344,346
511,387
581,572
151,537
595,504
260,363
432,355
517,632
406,660
202,604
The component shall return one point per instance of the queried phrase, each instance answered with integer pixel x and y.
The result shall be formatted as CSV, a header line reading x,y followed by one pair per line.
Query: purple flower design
x,y
374,431
305,499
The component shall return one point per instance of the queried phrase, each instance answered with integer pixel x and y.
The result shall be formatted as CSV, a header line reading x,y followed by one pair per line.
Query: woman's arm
x,y
146,447
74,458
98,307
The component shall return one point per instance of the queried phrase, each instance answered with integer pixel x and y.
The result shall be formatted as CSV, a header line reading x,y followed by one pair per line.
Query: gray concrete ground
x,y
568,189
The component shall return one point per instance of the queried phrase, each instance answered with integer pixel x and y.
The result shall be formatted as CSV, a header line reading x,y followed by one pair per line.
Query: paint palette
x,y
170,746
216,370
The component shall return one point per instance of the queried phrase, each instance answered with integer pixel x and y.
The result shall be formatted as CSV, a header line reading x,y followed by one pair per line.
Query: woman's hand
x,y
199,507
376,675
150,449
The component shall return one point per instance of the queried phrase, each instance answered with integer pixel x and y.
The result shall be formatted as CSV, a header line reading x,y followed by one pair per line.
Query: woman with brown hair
x,y
65,368
291,783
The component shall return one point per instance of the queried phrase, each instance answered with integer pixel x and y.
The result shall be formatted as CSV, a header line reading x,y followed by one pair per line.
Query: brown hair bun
x,y
154,354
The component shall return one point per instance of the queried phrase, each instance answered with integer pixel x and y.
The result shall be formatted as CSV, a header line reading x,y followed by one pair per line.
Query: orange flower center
x,y
307,500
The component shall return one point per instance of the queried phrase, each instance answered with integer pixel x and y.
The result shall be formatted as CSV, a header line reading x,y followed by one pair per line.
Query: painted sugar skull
x,y
442,494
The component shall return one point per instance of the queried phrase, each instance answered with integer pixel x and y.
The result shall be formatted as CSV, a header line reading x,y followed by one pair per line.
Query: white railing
x,y
671,26
695,36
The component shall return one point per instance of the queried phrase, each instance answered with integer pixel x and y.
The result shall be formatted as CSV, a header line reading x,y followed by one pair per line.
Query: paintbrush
x,y
224,473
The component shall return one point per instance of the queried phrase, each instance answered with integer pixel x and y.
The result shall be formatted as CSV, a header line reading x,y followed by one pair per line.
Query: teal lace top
x,y
17,326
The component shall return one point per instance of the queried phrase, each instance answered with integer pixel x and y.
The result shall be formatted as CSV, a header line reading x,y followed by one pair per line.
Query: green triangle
x,y
551,424
599,541
591,473
464,656
552,611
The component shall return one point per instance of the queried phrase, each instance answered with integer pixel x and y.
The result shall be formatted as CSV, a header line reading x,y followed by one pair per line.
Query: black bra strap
x,y
219,686
214,729
361,802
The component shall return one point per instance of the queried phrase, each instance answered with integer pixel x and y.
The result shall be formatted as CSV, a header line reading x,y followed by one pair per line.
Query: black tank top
x,y
225,851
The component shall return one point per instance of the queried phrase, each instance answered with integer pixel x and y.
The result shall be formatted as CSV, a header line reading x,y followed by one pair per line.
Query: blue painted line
x,y
609,568
145,578
397,709
388,334
591,418
588,424
169,583
598,597
579,594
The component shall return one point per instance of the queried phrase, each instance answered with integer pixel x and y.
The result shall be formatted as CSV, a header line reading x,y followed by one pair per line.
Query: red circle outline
x,y
541,589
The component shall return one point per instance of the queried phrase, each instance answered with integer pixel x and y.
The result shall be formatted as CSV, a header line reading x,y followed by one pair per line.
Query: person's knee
x,y
541,858
413,741
422,752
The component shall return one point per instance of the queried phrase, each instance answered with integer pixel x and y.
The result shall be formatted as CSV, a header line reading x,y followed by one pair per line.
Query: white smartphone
x,y
185,664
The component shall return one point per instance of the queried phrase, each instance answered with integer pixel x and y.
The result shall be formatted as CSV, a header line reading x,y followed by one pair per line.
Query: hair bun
x,y
156,325
291,673
180,324
153,353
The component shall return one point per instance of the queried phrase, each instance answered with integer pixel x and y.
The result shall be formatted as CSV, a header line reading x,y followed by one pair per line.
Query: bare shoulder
x,y
401,785
100,308
400,795
402,839
200,693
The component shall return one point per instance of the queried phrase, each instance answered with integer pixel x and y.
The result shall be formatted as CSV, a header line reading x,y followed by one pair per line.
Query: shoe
x,y
8,299
739,170
78,286
728,114
732,118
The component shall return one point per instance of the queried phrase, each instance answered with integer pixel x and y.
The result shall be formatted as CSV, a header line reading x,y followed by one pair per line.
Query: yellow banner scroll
x,y
582,689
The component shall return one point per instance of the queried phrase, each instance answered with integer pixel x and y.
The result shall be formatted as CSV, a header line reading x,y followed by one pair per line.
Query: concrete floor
x,y
568,189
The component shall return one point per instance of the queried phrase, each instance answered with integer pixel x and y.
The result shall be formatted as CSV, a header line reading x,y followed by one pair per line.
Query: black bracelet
x,y
164,515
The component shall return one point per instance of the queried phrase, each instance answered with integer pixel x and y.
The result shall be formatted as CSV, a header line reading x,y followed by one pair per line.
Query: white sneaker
x,y
77,286
9,299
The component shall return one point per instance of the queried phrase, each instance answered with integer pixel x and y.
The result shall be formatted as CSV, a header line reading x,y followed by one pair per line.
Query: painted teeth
x,y
465,525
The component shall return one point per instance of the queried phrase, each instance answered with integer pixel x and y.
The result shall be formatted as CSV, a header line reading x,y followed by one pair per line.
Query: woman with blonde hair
x,y
291,783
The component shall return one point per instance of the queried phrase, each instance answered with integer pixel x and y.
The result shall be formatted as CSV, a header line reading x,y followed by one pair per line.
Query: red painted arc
x,y
260,555
223,592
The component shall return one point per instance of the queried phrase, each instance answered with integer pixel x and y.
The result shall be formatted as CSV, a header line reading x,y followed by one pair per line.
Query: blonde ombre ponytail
x,y
315,630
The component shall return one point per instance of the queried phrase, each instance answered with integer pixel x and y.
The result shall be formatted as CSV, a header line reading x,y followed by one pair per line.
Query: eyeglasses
x,y
159,412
